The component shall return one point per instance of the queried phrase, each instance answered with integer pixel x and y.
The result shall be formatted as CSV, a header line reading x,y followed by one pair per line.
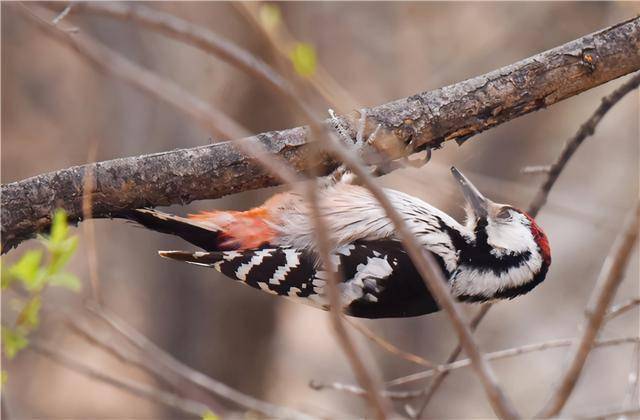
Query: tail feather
x,y
205,236
207,259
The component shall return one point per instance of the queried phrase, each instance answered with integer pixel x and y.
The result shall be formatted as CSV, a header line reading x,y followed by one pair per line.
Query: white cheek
x,y
511,237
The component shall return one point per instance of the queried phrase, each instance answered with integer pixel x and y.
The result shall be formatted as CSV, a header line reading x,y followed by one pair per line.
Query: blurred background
x,y
56,109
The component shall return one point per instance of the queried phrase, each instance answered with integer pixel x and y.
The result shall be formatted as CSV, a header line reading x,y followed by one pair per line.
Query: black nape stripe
x,y
477,255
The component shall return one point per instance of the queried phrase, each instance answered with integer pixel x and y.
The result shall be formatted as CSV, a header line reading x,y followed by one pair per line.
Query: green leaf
x,y
5,376
209,415
59,227
270,16
27,269
29,317
13,342
303,58
66,280
61,253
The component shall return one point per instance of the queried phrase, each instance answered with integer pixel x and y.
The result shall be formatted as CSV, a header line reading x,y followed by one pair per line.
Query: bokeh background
x,y
56,109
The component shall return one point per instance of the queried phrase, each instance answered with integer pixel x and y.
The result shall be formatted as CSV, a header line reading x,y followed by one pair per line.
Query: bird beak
x,y
479,204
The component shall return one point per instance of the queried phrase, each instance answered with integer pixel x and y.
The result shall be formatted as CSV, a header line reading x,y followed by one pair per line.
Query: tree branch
x,y
187,406
605,289
448,367
191,375
410,124
586,129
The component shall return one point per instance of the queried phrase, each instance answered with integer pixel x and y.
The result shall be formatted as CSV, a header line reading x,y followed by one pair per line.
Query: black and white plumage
x,y
499,253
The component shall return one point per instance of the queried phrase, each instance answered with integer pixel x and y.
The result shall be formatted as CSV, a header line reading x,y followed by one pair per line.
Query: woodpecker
x,y
499,253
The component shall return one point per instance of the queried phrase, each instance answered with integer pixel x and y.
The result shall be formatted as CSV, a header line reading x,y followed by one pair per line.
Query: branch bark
x,y
424,120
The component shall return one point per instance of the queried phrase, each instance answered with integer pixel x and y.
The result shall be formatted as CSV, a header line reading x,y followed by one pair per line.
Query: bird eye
x,y
504,213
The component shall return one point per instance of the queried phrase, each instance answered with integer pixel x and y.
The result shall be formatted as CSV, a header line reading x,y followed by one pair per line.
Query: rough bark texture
x,y
410,124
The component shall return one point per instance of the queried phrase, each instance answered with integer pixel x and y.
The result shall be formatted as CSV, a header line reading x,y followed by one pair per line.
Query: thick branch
x,y
423,120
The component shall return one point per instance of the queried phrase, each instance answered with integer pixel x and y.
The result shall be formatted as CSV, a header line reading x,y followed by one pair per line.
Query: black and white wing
x,y
379,280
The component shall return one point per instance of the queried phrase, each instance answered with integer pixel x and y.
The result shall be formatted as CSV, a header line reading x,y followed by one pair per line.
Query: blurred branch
x,y
621,308
440,377
120,353
408,125
106,60
611,276
191,34
191,375
387,346
552,173
448,367
184,405
586,129
501,354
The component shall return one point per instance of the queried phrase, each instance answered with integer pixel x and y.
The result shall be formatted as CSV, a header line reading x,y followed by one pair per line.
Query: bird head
x,y
506,241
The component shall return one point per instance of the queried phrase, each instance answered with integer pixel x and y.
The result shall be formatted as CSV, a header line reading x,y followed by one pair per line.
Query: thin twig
x,y
387,346
610,277
106,60
542,169
191,34
62,14
184,405
121,353
621,308
282,42
448,367
586,129
501,354
356,390
193,376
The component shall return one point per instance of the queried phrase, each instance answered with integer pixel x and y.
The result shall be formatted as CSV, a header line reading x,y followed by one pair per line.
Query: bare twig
x,y
387,346
194,35
586,129
542,169
621,308
437,381
184,405
193,376
62,14
448,367
282,42
610,277
421,121
120,352
356,390
501,354
104,59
